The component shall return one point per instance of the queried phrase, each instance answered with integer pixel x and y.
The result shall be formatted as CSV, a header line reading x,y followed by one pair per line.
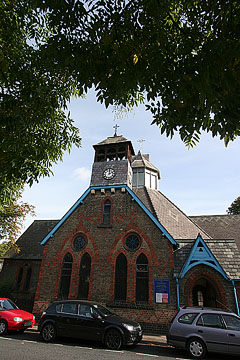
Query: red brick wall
x,y
104,245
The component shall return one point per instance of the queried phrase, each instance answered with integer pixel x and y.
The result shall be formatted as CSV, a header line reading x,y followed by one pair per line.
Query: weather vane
x,y
115,127
141,141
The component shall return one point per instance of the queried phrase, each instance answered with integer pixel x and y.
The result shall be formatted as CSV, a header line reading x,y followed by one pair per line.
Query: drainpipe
x,y
177,287
235,297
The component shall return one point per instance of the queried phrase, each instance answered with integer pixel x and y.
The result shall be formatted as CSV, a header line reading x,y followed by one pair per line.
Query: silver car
x,y
199,330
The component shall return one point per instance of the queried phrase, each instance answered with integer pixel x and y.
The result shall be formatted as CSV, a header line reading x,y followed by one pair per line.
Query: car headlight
x,y
129,327
17,319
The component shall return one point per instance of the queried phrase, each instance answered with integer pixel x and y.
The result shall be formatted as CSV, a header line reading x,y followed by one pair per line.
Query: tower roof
x,y
142,160
112,140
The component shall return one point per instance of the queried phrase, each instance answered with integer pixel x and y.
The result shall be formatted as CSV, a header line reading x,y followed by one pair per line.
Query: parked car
x,y
88,321
12,318
199,330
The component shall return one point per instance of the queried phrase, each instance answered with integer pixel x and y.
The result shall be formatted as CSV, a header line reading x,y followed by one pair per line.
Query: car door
x,y
89,326
233,333
211,328
66,321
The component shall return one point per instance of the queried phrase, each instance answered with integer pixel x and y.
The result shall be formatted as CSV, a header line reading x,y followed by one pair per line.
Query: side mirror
x,y
96,316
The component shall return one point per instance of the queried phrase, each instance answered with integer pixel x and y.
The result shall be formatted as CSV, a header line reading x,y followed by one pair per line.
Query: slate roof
x,y
115,140
225,252
220,226
178,224
29,241
185,230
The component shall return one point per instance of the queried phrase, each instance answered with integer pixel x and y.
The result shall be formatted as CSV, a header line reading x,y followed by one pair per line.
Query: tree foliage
x,y
181,57
184,56
34,128
4,247
11,221
234,208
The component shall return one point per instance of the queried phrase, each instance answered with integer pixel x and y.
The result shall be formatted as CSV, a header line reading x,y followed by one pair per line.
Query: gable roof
x,y
29,242
134,197
220,226
178,224
201,255
225,252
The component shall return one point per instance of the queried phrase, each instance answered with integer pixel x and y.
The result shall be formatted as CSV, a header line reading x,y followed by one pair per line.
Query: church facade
x,y
127,246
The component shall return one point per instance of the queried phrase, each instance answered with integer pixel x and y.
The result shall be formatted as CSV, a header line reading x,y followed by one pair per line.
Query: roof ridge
x,y
215,215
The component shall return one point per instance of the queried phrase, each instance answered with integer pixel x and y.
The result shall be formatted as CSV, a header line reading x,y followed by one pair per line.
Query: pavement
x,y
155,340
147,339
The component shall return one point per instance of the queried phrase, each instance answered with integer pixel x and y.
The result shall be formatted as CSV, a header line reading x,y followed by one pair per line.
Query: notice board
x,y
162,291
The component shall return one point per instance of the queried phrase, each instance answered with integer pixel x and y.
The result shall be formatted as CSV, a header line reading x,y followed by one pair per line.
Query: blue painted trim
x,y
134,197
203,261
156,222
235,297
177,288
64,218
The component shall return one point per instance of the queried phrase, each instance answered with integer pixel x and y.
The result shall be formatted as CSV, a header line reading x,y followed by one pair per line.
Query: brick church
x,y
127,246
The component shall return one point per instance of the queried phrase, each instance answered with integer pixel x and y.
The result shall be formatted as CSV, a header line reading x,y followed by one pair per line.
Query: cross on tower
x,y
115,127
141,141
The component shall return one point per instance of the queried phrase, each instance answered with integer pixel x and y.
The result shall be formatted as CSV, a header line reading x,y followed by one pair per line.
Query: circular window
x,y
132,242
79,242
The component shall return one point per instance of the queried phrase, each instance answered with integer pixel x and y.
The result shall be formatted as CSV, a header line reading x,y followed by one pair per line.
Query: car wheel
x,y
113,339
48,332
3,327
196,348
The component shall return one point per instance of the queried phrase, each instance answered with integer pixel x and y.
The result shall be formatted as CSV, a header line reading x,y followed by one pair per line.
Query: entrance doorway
x,y
204,294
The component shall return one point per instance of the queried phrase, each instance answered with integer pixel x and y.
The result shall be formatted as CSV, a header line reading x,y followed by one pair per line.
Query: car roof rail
x,y
205,308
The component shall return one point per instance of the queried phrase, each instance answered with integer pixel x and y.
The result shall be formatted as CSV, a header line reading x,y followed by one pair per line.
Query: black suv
x,y
88,321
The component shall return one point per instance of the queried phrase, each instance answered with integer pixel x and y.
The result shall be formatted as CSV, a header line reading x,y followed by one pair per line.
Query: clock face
x,y
109,174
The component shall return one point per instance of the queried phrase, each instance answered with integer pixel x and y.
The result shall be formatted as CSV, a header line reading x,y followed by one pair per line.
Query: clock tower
x,y
112,162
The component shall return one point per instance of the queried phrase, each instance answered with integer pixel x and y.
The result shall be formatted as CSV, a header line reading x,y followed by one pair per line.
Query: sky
x,y
203,180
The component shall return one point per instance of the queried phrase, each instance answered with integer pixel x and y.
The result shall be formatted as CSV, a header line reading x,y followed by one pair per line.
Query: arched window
x,y
19,278
65,276
84,276
28,278
107,212
142,279
120,291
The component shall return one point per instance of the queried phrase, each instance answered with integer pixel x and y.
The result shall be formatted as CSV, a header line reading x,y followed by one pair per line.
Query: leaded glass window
x,y
120,291
79,242
65,276
107,212
84,277
132,242
142,279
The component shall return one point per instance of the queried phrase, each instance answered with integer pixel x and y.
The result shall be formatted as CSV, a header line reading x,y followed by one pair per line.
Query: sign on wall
x,y
162,291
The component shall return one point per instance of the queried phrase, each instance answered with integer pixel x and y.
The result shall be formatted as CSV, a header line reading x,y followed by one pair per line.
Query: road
x,y
29,346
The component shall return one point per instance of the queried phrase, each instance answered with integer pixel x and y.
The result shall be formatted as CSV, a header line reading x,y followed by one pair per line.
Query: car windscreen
x,y
6,304
103,311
